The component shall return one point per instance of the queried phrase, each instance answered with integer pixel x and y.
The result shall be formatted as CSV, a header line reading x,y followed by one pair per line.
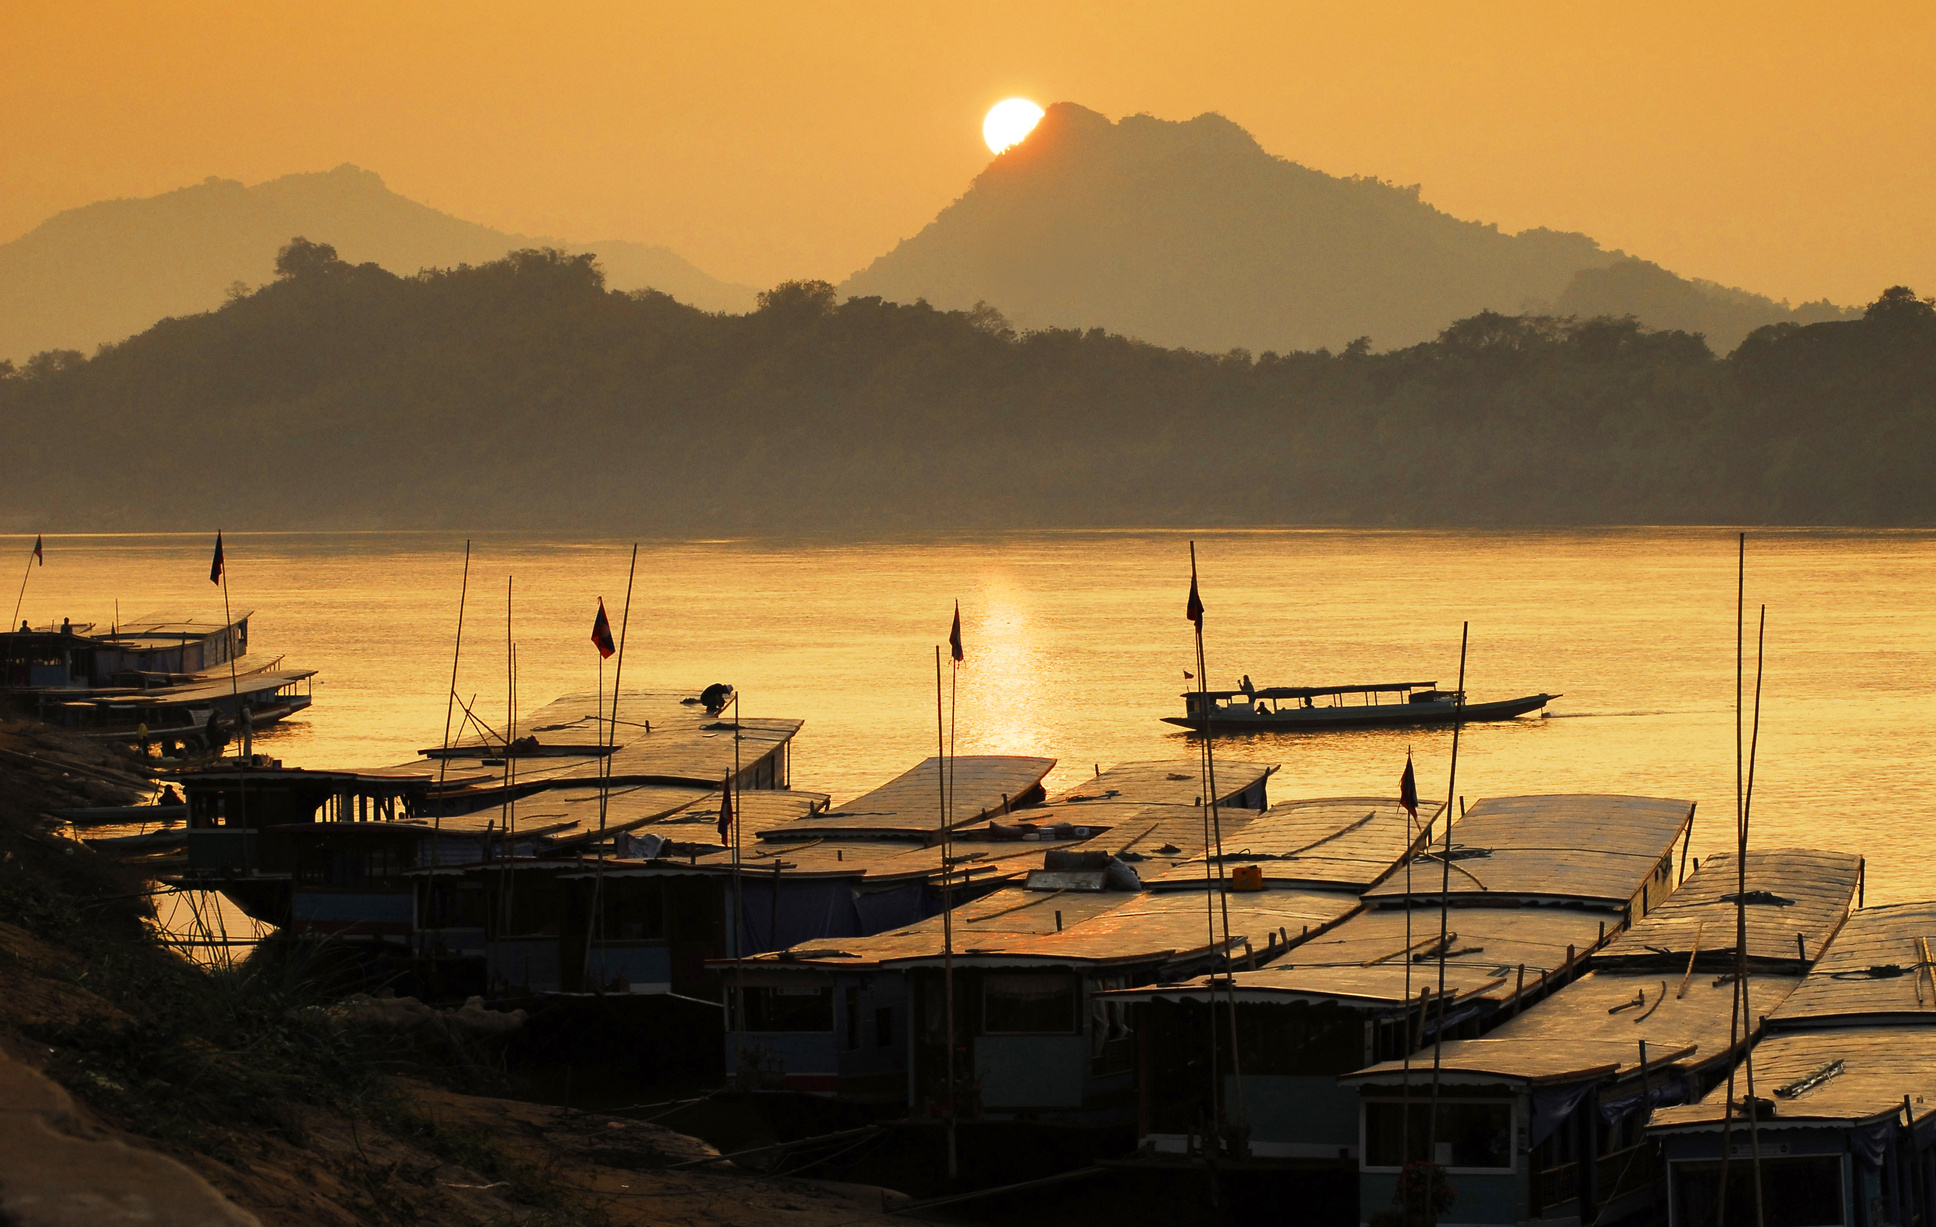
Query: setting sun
x,y
1008,122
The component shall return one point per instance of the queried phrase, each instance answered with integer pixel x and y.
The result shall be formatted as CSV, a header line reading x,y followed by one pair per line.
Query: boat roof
x,y
1873,973
1793,893
683,744
1693,1012
200,693
1878,1068
1311,692
907,806
1017,928
1526,1062
1581,848
1362,962
1166,781
1346,842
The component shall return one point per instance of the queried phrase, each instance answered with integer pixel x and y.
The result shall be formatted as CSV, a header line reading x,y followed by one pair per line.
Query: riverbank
x,y
140,1088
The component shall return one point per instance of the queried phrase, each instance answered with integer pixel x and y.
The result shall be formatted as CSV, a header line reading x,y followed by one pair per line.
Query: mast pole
x,y
1740,905
1741,910
947,913
1210,859
22,598
450,700
1445,896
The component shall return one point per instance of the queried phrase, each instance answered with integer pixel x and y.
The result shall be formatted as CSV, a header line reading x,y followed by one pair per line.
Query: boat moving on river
x,y
1380,705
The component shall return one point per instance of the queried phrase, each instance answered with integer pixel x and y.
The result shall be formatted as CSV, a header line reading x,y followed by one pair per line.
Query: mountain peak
x,y
1189,233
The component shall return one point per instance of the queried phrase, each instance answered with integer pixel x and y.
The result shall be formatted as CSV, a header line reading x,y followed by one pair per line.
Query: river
x,y
1077,643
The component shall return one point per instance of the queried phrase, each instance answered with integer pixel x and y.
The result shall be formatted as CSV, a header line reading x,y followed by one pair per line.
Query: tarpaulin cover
x,y
1668,1092
1870,1144
881,910
1552,1105
806,912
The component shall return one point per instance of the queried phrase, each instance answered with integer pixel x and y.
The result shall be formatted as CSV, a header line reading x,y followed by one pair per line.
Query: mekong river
x,y
1077,643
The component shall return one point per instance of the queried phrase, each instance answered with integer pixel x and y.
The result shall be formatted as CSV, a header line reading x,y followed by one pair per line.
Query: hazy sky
x,y
1781,147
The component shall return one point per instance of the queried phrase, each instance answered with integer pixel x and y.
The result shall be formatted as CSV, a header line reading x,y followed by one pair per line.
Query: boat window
x,y
789,1009
1029,1003
634,909
1797,1192
1472,1134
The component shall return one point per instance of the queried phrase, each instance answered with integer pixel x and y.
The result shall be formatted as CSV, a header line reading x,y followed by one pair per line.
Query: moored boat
x,y
1377,705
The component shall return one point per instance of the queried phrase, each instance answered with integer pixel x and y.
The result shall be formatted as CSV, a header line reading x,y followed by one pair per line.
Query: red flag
x,y
215,568
38,556
1194,610
954,635
1408,788
725,809
602,632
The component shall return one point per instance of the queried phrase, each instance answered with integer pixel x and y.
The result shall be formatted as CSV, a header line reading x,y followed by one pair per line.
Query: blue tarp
x,y
1553,1105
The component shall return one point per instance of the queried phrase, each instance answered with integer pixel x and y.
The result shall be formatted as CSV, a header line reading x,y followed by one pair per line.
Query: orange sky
x,y
1785,148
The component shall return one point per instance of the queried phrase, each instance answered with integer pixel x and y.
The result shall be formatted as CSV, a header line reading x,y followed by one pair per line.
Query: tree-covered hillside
x,y
522,393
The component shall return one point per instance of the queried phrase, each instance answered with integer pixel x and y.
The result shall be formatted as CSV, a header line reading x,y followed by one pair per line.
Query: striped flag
x,y
1408,788
725,809
215,568
954,635
39,557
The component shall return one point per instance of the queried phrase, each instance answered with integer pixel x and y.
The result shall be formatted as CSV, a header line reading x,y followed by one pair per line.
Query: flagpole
x,y
1445,894
1405,1079
450,701
22,598
594,924
947,911
1195,613
1220,897
1741,911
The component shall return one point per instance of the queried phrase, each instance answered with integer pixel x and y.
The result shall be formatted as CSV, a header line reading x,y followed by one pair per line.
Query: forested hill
x,y
523,394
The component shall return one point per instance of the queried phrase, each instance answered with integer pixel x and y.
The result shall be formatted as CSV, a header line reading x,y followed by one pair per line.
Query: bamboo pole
x,y
1445,894
450,701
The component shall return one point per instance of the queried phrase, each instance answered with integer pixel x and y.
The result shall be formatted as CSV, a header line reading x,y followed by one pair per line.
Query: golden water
x,y
1077,643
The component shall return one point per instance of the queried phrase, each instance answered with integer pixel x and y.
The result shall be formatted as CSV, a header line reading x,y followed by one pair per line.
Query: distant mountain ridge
x,y
1190,234
111,269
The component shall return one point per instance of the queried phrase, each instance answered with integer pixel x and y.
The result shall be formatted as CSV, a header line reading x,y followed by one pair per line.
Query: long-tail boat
x,y
1365,705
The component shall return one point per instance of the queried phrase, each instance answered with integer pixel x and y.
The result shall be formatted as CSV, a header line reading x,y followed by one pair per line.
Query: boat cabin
x,y
1272,700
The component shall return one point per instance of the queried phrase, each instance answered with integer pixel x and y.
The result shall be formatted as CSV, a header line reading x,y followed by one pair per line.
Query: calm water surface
x,y
1077,644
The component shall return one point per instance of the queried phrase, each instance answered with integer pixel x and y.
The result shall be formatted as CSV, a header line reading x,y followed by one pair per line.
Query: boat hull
x,y
1383,715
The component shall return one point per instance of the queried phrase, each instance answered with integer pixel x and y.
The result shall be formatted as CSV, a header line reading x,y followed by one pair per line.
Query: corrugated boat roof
x,y
1583,848
1362,962
1534,1063
1880,1065
1165,782
683,744
1875,971
1672,1012
1791,891
1347,842
908,806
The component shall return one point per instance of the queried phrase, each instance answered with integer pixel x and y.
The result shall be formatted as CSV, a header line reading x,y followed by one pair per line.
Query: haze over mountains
x,y
1190,234
108,270
1180,234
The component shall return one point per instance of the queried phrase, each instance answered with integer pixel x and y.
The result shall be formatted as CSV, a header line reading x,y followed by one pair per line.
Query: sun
x,y
1008,122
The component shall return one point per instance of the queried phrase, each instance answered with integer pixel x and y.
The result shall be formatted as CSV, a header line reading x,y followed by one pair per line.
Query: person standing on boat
x,y
141,735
